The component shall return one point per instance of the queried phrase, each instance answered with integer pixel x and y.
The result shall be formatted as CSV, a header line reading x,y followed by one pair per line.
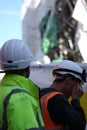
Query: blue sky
x,y
10,20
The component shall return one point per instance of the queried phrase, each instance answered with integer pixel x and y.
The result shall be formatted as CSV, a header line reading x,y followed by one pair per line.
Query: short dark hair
x,y
20,71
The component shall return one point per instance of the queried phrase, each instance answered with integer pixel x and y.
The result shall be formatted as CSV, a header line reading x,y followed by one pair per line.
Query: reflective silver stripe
x,y
43,99
39,122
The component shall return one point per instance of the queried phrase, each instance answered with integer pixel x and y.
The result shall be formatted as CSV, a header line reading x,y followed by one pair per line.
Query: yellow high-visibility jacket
x,y
23,109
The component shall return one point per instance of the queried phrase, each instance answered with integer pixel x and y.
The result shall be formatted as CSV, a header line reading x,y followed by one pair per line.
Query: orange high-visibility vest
x,y
49,124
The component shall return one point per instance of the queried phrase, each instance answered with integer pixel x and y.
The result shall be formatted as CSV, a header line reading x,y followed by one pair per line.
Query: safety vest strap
x,y
50,125
42,128
6,100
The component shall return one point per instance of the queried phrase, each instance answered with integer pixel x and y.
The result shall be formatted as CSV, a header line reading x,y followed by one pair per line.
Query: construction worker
x,y
59,113
19,96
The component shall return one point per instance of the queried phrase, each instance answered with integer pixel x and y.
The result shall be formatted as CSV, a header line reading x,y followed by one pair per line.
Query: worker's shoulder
x,y
49,91
12,94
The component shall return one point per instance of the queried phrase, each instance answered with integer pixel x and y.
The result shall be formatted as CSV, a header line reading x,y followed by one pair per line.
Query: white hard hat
x,y
15,55
71,68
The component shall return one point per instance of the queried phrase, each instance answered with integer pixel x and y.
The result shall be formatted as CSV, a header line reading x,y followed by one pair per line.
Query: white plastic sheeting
x,y
80,14
33,12
81,40
42,75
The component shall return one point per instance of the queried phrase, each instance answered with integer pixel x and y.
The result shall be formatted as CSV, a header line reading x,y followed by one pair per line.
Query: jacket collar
x,y
17,81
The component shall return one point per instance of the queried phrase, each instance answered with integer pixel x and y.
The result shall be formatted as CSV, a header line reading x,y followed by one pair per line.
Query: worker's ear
x,y
26,72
